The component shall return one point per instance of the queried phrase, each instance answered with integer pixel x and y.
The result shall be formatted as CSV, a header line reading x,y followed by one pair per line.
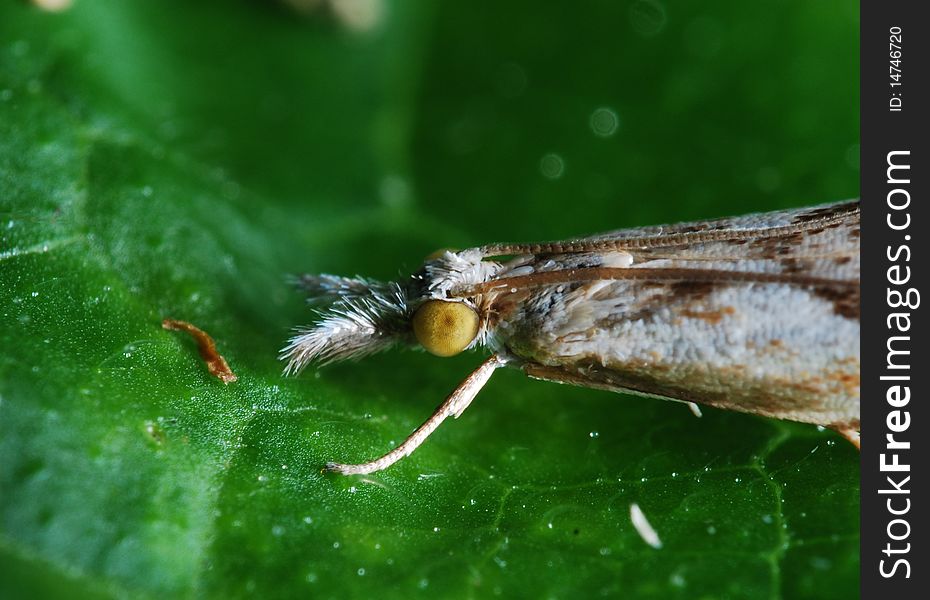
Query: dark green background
x,y
179,158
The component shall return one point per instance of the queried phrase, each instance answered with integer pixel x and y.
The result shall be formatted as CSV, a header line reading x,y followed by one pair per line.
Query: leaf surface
x,y
179,160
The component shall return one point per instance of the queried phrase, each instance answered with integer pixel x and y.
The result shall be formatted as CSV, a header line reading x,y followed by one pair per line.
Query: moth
x,y
757,314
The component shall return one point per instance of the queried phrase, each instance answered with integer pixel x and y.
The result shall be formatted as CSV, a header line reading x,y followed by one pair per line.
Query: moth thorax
x,y
445,328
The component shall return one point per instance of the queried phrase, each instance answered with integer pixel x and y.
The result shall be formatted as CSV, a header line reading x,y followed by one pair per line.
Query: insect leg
x,y
850,434
453,406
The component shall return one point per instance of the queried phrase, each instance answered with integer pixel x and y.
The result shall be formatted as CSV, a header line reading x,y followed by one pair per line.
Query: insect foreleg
x,y
453,405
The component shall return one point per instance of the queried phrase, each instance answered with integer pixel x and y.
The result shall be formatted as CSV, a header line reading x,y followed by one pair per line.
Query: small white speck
x,y
643,528
361,572
550,525
436,529
336,545
308,520
147,191
695,409
594,434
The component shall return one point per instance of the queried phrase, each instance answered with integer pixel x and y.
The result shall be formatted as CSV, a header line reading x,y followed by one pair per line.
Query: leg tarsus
x,y
850,434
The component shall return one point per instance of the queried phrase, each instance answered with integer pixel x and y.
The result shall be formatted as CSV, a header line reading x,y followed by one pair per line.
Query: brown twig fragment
x,y
216,364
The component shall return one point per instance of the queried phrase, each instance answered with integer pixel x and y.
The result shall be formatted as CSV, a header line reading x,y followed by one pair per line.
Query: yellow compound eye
x,y
445,328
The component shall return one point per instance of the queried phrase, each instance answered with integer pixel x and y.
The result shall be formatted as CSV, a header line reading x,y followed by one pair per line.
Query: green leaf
x,y
177,159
